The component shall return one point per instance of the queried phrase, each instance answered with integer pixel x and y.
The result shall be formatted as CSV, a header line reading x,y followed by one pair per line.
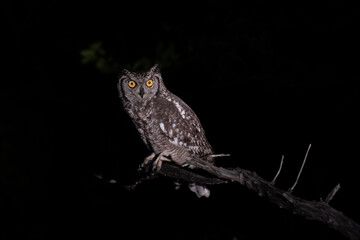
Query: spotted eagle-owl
x,y
167,125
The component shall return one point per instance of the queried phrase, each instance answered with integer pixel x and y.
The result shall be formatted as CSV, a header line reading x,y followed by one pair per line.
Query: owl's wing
x,y
182,127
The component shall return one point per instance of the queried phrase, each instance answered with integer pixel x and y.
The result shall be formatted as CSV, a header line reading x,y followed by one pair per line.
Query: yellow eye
x,y
132,84
149,83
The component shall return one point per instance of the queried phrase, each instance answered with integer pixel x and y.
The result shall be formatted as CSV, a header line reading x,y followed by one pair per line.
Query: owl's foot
x,y
157,163
164,156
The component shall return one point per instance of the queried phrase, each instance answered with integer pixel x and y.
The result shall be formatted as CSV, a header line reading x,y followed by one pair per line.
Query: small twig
x,y
302,166
219,155
332,193
278,172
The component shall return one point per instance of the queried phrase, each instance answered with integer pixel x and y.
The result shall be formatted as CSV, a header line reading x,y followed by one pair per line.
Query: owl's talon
x,y
147,160
156,168
157,165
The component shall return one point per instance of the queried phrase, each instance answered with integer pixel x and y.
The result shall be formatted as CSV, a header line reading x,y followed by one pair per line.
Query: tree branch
x,y
315,210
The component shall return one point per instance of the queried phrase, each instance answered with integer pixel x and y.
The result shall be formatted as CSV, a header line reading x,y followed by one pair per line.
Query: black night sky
x,y
266,79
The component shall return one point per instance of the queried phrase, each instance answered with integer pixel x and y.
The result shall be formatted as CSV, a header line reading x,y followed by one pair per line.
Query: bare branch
x,y
313,210
302,166
278,172
205,173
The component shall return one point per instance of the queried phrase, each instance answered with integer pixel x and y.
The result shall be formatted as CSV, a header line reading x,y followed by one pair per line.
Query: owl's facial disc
x,y
140,87
139,90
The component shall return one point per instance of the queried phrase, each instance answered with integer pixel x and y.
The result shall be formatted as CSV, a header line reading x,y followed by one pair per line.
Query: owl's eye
x,y
149,83
132,84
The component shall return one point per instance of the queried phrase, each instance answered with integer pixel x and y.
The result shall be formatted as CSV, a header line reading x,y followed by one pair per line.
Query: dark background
x,y
266,79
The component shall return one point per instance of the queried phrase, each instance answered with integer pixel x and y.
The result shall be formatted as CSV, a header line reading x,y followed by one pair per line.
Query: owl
x,y
166,124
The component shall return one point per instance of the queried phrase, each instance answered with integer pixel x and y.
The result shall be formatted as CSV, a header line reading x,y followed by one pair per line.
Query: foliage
x,y
96,54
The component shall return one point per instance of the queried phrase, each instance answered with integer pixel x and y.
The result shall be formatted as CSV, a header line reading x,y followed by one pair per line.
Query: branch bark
x,y
313,210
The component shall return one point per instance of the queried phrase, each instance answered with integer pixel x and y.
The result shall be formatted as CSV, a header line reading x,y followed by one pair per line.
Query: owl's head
x,y
140,87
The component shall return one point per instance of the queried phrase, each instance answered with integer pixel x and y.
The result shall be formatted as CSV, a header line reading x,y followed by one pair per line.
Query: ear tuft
x,y
124,71
155,69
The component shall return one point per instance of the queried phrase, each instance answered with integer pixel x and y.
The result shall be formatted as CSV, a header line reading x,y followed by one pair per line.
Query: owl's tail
x,y
200,191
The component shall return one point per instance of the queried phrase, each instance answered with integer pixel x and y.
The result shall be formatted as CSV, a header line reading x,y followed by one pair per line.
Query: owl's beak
x,y
141,92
